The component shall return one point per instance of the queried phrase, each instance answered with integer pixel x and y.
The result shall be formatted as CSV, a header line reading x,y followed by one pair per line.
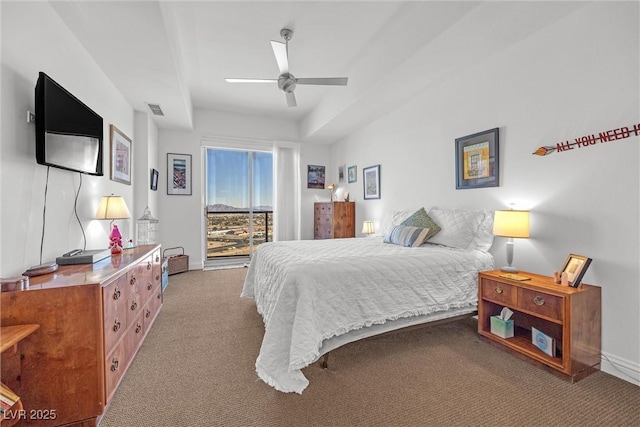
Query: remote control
x,y
73,253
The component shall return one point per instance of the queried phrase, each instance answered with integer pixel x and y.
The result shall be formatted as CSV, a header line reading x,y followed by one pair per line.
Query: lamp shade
x,y
367,227
113,207
511,223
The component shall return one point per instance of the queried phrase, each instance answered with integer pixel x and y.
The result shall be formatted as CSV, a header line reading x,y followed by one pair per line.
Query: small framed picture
x,y
154,179
352,174
120,156
341,172
371,178
575,266
179,174
315,177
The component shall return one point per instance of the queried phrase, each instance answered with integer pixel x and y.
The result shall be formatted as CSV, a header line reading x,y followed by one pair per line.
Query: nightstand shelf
x,y
571,316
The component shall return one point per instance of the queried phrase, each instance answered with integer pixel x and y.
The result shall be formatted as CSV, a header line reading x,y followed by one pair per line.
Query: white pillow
x,y
463,229
391,219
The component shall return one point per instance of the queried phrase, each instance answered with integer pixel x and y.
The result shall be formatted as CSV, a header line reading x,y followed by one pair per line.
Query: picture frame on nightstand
x,y
575,266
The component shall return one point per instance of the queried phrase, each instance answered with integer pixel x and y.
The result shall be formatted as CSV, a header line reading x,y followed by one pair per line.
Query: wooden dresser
x,y
334,220
93,319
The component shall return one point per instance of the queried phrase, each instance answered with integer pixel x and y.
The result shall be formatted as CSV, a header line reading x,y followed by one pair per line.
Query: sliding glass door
x,y
239,203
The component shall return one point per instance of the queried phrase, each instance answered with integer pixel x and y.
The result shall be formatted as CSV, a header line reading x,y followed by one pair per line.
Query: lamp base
x,y
509,269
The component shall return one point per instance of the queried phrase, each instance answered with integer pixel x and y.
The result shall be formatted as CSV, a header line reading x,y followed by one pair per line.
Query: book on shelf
x,y
7,396
543,341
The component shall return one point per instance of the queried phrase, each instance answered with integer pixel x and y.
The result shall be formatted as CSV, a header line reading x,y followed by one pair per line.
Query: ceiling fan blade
x,y
252,80
291,100
331,81
280,51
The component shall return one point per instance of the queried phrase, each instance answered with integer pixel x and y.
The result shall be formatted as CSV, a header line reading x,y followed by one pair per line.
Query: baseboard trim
x,y
621,368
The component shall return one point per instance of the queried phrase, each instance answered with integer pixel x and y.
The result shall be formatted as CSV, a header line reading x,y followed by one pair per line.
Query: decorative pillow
x,y
421,219
403,235
460,228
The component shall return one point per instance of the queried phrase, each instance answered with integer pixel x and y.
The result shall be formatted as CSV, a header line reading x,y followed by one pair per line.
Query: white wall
x,y
574,78
34,39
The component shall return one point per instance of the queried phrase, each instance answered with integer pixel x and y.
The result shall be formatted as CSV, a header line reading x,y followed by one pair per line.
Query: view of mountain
x,y
226,208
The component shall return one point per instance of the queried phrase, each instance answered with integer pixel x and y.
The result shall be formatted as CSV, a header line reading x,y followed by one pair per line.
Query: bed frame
x,y
324,359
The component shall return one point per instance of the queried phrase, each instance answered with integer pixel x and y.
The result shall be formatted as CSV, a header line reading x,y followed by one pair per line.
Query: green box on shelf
x,y
501,328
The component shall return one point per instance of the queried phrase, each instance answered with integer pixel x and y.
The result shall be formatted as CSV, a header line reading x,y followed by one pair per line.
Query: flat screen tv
x,y
68,133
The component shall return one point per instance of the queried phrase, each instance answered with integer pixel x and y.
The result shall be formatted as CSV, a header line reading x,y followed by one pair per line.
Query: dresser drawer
x,y
114,367
114,297
323,209
540,303
134,306
133,336
498,292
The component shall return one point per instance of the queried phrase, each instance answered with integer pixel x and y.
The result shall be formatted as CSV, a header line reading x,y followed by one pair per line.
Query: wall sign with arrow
x,y
589,140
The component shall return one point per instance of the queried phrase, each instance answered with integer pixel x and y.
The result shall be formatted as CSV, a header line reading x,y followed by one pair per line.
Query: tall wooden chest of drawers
x,y
334,220
93,319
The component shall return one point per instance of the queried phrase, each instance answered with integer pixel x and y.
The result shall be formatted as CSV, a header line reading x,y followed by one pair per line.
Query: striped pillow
x,y
405,235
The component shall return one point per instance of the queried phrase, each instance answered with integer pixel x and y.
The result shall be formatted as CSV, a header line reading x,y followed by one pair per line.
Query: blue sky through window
x,y
228,178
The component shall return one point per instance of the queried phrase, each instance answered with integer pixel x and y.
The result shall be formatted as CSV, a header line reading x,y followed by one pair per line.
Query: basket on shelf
x,y
178,263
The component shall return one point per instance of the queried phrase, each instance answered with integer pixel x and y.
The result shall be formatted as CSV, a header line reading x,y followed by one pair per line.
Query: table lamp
x,y
367,227
511,224
113,207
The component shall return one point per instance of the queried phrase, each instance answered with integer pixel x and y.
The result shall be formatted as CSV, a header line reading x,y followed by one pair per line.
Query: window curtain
x,y
286,221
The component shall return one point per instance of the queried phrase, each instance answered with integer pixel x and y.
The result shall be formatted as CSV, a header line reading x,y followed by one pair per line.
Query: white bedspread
x,y
308,291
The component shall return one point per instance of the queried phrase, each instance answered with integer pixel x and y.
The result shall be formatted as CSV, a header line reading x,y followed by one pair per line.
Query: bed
x,y
317,295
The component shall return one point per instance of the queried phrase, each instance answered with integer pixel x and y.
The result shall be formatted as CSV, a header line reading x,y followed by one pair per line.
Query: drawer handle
x,y
157,258
147,314
159,295
114,364
538,300
134,305
132,281
116,294
149,265
157,277
116,326
149,286
138,328
498,290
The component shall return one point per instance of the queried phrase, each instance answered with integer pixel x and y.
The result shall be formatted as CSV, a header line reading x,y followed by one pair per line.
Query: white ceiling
x,y
177,53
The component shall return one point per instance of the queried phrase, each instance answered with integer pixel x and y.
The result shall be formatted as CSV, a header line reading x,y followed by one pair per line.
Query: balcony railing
x,y
229,234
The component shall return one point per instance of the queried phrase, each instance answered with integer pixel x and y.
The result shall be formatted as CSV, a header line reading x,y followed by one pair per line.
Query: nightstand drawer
x,y
498,292
540,303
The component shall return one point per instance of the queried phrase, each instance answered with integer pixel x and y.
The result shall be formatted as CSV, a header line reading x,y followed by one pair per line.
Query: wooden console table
x,y
10,336
93,319
570,316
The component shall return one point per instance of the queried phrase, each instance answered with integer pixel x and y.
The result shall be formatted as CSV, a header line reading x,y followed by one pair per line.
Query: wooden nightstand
x,y
571,316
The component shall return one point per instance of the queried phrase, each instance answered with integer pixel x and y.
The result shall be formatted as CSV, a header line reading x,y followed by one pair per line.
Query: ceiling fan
x,y
286,81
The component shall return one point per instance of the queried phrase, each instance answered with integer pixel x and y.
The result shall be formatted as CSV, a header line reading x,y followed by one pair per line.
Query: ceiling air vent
x,y
155,109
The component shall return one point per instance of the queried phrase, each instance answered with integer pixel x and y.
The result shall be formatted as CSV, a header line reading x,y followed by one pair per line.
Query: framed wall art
x,y
315,177
352,174
341,172
120,156
179,174
477,158
154,179
371,182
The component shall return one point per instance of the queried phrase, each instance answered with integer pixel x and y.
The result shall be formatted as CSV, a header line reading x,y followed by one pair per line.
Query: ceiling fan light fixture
x,y
287,82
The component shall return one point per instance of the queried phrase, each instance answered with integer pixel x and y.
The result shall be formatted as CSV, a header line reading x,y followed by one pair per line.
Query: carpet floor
x,y
196,368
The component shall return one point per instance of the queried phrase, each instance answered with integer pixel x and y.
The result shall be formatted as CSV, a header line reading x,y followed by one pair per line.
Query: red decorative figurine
x,y
116,240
